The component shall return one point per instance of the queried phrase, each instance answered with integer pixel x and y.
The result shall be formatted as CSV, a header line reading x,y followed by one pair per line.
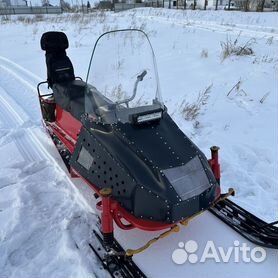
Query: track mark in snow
x,y
21,71
17,88
19,113
38,199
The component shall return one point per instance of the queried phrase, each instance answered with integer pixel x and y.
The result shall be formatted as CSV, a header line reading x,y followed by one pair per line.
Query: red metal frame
x,y
68,124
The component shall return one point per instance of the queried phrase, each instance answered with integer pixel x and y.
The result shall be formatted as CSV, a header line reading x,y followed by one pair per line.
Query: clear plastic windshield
x,y
123,70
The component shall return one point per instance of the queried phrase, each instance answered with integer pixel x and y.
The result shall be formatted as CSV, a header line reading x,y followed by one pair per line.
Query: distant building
x,y
18,3
4,3
190,3
210,3
12,3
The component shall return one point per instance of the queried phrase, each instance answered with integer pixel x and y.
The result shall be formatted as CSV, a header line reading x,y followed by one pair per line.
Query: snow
x,y
40,205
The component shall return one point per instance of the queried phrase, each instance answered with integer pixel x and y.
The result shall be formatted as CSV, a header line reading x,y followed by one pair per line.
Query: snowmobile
x,y
113,131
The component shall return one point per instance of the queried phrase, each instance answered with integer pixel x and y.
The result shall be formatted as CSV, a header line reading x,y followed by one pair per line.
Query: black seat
x,y
59,66
68,92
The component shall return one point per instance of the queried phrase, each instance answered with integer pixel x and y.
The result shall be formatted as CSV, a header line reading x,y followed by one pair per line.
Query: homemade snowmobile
x,y
114,132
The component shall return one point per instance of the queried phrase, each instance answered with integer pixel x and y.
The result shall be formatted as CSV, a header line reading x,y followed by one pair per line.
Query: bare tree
x,y
229,5
184,4
45,3
260,5
246,5
276,6
194,5
216,5
206,3
65,6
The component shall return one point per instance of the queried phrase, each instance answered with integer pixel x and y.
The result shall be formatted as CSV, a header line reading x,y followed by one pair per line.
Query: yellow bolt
x,y
106,192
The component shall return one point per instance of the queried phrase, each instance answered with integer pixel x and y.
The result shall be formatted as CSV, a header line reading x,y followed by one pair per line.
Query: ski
x,y
246,224
115,261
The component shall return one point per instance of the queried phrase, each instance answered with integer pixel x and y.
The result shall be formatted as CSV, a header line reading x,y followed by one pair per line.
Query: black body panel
x,y
137,162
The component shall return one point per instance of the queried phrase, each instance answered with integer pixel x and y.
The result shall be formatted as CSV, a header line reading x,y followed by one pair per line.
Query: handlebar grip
x,y
142,75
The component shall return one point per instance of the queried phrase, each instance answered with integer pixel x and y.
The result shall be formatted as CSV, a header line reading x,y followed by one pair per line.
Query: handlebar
x,y
140,78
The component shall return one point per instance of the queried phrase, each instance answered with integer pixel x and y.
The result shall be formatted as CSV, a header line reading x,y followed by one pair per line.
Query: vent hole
x,y
111,178
116,175
117,184
88,144
104,172
94,150
122,182
99,167
105,181
110,169
104,162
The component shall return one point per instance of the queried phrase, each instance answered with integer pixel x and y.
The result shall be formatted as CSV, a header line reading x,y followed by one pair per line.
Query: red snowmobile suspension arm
x,y
214,163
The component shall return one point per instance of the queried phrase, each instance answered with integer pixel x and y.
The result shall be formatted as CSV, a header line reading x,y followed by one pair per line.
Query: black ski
x,y
115,261
247,224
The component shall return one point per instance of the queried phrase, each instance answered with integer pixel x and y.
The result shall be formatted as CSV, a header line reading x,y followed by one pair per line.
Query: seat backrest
x,y
59,66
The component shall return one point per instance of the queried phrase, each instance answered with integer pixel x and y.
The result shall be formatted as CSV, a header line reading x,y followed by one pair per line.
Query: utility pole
x,y
229,5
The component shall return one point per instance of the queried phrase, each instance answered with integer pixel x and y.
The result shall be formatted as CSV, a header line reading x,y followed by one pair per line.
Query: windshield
x,y
122,72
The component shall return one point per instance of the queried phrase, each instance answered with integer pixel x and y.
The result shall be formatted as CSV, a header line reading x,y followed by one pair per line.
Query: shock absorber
x,y
214,163
107,218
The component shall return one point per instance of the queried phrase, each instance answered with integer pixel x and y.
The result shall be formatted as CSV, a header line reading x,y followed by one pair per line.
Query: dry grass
x,y
230,48
269,41
204,53
5,19
116,93
78,18
190,111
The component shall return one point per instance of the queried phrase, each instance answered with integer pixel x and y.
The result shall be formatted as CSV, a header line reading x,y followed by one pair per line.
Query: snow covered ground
x,y
235,104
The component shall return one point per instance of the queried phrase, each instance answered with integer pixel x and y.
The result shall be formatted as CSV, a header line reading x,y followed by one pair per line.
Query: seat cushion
x,y
70,96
